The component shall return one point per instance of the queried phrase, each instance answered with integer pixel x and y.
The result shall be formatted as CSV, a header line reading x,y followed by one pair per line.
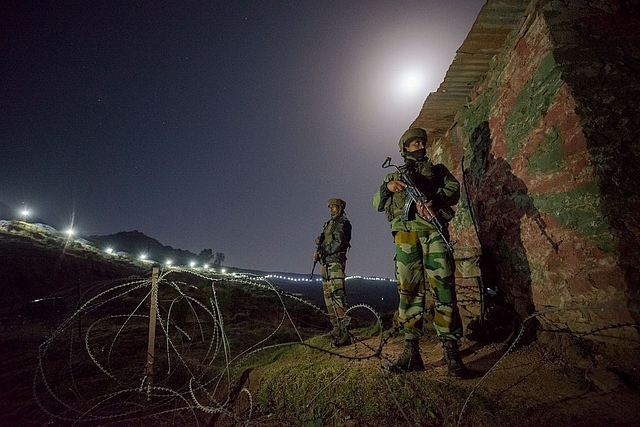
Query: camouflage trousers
x,y
335,296
423,265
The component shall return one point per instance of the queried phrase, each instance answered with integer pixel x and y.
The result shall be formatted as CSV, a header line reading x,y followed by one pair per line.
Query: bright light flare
x,y
70,232
411,82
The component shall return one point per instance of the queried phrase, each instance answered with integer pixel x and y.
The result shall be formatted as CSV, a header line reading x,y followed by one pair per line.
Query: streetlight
x,y
25,214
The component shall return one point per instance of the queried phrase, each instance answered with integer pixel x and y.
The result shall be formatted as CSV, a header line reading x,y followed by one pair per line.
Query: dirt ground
x,y
553,378
548,384
542,380
547,388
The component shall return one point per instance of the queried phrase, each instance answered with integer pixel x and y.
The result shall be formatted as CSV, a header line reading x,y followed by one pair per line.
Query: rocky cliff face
x,y
551,146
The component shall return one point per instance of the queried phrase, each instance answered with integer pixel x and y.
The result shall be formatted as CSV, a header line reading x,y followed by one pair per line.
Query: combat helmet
x,y
409,135
335,201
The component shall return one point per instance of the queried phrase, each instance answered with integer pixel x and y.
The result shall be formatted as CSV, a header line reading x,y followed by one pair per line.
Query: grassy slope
x,y
301,382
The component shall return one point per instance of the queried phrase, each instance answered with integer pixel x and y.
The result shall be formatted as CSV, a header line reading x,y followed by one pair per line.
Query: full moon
x,y
410,82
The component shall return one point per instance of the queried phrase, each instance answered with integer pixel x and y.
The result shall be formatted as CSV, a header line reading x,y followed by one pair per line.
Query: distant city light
x,y
70,232
319,279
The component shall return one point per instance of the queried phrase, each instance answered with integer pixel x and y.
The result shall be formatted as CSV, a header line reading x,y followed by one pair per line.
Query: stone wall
x,y
550,147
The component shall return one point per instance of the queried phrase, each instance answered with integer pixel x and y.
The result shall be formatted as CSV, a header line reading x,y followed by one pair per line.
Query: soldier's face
x,y
334,209
415,145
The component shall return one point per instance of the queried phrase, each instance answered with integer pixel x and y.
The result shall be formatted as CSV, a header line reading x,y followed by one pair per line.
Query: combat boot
x,y
410,359
455,367
335,331
343,337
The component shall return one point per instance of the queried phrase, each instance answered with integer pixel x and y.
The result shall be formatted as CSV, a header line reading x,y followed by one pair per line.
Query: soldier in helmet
x,y
422,261
331,252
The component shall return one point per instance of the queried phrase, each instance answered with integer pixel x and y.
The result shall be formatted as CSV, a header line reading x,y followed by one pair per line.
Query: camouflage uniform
x,y
332,252
422,262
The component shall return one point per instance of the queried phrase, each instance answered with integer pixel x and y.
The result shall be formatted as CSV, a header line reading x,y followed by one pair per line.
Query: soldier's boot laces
x,y
409,361
455,367
343,338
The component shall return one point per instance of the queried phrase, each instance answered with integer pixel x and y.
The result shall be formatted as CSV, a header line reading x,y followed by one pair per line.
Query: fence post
x,y
148,369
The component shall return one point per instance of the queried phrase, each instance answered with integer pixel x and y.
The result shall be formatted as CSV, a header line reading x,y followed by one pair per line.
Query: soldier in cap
x,y
331,252
422,261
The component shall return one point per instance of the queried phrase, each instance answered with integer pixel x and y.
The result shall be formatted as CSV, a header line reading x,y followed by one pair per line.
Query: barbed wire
x,y
124,392
540,315
99,377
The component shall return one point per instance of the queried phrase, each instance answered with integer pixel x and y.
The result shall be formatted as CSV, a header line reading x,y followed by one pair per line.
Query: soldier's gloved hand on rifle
x,y
425,210
396,186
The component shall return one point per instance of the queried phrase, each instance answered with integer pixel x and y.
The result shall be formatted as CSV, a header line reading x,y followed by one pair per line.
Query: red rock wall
x,y
551,152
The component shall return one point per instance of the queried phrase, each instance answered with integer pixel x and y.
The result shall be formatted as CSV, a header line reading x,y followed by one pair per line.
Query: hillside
x,y
137,243
231,349
38,261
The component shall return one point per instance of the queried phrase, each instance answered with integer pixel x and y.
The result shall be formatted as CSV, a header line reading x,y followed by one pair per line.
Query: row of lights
x,y
143,257
168,263
304,279
25,212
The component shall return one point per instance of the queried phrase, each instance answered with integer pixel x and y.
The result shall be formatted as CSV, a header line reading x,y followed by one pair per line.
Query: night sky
x,y
221,125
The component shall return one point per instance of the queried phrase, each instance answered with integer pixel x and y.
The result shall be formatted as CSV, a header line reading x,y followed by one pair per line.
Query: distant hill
x,y
137,244
38,261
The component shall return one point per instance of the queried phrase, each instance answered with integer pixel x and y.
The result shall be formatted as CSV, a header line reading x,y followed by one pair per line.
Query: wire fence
x,y
91,370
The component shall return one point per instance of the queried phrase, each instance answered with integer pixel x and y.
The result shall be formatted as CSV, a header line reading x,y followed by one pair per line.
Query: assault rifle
x,y
315,261
415,196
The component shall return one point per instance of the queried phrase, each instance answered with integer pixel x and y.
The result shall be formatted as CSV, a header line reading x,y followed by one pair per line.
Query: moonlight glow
x,y
411,82
326,87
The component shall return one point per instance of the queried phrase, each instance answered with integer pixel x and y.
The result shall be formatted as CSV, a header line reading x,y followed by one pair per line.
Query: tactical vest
x,y
428,181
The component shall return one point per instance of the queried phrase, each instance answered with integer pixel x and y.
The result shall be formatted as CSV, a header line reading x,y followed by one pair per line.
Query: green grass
x,y
306,386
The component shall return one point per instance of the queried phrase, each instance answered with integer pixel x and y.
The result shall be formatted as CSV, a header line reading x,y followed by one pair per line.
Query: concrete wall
x,y
550,144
